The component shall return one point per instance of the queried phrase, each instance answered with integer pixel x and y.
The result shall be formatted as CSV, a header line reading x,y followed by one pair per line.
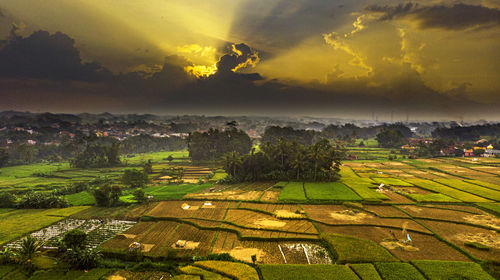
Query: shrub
x,y
74,238
79,258
42,200
7,200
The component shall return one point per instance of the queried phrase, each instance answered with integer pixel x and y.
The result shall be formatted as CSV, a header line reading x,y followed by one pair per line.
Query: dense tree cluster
x,y
287,160
391,138
214,143
107,195
146,143
349,131
272,134
467,133
97,156
134,178
42,200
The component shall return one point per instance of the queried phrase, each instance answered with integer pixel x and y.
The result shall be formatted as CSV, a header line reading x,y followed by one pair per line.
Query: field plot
x,y
366,271
251,219
350,249
293,191
313,272
471,188
17,223
461,216
467,237
212,210
174,191
97,231
424,246
451,192
364,189
236,270
494,207
398,271
243,191
130,212
435,270
485,184
335,191
391,182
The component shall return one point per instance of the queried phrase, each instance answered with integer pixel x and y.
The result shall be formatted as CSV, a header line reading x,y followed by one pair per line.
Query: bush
x,y
134,178
79,258
74,238
219,257
7,200
42,200
139,195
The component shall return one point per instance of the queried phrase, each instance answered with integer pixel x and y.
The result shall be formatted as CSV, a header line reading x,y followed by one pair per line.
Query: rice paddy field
x,y
400,219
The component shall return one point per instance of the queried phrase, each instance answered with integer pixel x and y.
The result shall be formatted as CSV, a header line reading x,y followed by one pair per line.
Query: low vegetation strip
x,y
495,207
364,189
392,182
238,270
365,271
349,249
451,192
174,191
436,270
471,188
330,191
312,272
293,191
81,198
484,184
17,223
207,275
432,197
398,271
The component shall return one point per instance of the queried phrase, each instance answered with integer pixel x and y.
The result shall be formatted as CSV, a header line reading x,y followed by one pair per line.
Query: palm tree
x,y
299,163
29,247
232,160
317,154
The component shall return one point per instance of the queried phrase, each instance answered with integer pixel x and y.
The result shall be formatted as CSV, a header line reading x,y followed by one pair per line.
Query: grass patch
x,y
239,270
451,192
313,272
392,182
471,188
364,189
398,271
366,271
435,270
81,198
330,191
174,191
432,197
293,191
17,223
349,249
207,275
495,207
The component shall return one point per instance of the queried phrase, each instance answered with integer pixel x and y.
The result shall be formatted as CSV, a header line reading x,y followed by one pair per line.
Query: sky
x,y
342,58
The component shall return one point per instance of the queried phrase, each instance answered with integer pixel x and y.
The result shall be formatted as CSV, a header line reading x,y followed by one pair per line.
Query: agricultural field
x,y
427,221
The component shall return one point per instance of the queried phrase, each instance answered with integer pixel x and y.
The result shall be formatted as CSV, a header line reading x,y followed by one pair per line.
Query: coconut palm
x,y
29,247
232,161
299,163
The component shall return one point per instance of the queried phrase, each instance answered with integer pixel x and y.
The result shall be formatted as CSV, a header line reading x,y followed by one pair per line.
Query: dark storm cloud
x,y
455,17
46,56
172,89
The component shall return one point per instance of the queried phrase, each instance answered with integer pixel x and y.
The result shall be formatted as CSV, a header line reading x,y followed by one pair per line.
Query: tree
x,y
74,238
391,138
170,158
107,196
232,161
134,178
97,156
7,200
29,247
213,144
4,157
139,195
148,167
300,164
